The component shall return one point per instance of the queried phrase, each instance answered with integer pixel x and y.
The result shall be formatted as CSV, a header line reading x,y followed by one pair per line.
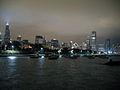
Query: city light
x,y
18,46
42,56
12,47
109,52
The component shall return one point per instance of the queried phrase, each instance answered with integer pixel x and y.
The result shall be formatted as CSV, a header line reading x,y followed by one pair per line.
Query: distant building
x,y
70,44
14,45
75,46
101,47
26,41
84,46
40,40
48,44
88,42
19,38
55,43
7,35
64,45
107,45
93,41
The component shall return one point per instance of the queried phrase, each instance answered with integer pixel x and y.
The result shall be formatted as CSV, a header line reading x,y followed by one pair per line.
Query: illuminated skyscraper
x,y
107,45
88,42
93,41
7,34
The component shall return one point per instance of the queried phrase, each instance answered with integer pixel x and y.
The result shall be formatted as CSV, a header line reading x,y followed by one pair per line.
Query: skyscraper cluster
x,y
89,44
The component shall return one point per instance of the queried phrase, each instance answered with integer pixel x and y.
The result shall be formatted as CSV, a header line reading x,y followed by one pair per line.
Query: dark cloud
x,y
63,19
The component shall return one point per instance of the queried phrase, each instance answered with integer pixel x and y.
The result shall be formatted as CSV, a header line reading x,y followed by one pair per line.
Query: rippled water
x,y
61,74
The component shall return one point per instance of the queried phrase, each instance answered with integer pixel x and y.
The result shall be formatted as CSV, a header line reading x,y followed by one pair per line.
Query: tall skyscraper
x,y
107,45
88,42
93,41
7,34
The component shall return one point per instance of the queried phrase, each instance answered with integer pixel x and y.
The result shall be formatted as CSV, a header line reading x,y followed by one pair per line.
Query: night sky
x,y
64,20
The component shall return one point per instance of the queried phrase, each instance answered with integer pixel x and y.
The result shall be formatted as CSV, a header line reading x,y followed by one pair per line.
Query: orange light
x,y
29,46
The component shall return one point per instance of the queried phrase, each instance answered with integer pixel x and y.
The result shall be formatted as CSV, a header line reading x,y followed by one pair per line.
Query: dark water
x,y
61,74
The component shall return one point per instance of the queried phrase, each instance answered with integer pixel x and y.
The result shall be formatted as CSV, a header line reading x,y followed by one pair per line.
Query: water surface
x,y
61,74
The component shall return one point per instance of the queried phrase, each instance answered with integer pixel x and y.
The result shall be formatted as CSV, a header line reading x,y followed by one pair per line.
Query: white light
x,y
54,38
41,48
12,46
42,56
110,52
12,57
7,23
93,37
19,36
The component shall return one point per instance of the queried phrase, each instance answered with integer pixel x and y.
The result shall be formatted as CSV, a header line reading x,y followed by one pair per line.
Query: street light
x,y
12,47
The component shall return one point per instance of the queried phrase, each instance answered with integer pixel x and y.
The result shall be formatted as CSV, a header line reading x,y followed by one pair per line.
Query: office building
x,y
107,45
84,46
64,45
40,40
71,44
88,42
19,38
93,41
7,35
101,47
55,43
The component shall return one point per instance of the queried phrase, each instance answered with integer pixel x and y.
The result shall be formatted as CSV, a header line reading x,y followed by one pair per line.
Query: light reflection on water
x,y
11,61
64,73
41,61
11,65
12,57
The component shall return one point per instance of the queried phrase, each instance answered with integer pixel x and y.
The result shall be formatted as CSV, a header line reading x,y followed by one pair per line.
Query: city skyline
x,y
63,20
90,39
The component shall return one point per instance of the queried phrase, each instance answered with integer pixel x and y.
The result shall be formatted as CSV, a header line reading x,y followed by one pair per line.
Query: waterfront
x,y
62,74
